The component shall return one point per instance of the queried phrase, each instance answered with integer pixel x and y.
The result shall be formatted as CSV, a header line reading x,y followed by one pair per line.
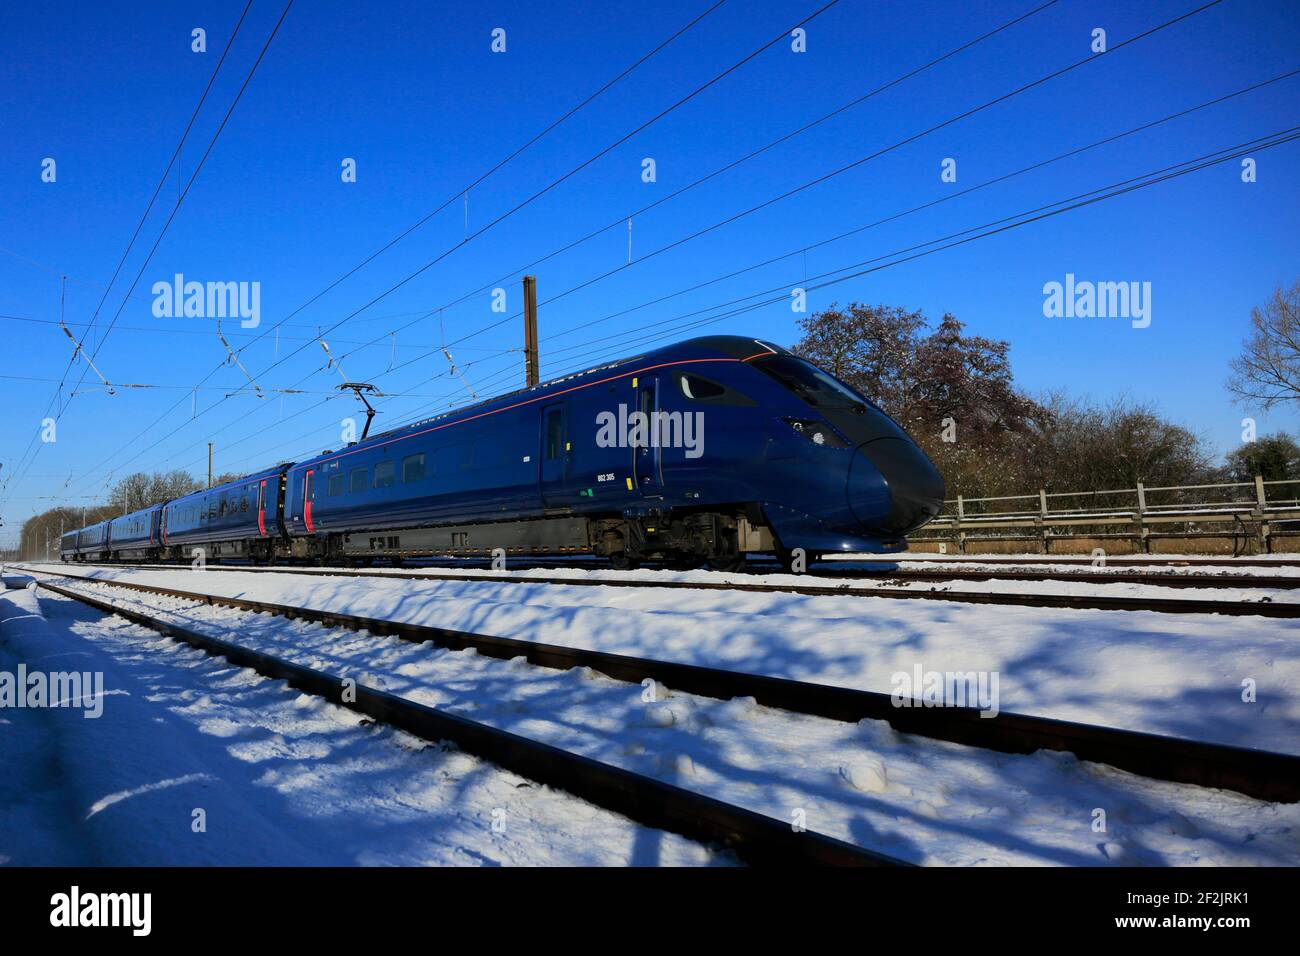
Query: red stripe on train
x,y
306,501
261,509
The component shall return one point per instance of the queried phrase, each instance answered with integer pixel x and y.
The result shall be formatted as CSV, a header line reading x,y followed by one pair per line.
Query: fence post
x,y
961,535
1042,517
961,532
1261,502
1144,543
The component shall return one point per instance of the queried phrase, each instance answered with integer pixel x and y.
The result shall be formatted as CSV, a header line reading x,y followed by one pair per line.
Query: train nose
x,y
913,488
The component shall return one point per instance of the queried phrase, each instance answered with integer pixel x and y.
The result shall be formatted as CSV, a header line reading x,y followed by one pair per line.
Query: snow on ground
x,y
925,801
283,778
1080,588
1178,674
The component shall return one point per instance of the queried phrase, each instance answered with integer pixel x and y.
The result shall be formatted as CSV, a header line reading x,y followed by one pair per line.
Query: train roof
x,y
138,511
706,346
273,471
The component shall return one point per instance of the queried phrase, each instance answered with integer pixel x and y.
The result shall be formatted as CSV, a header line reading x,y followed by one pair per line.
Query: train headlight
x,y
817,432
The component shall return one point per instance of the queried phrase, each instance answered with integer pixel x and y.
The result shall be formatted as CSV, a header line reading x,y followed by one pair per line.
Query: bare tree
x,y
141,490
1268,370
871,347
1274,457
1094,447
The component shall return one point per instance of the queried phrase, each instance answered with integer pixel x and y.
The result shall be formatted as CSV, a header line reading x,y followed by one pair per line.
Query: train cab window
x,y
359,480
554,433
812,384
413,468
385,474
700,388
335,486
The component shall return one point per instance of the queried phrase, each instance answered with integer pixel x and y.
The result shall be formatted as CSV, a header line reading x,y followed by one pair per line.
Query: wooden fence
x,y
1238,517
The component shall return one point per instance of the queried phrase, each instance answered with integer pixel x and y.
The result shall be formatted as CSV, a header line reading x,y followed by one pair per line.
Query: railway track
x,y
1166,580
753,837
884,589
1261,774
1114,562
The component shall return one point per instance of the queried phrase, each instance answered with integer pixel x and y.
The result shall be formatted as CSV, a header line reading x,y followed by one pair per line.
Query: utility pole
x,y
530,331
209,464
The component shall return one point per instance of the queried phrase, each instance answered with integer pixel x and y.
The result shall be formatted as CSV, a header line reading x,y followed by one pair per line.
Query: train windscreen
x,y
812,384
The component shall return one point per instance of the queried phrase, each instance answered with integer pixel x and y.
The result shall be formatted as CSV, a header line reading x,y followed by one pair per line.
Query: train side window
x,y
700,388
554,433
335,487
385,474
413,468
359,480
243,503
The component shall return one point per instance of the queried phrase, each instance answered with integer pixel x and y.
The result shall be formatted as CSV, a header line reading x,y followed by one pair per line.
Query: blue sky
x,y
413,92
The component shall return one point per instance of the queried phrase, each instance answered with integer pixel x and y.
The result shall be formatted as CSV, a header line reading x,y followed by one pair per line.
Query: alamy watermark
x,y
1102,300
922,688
210,300
129,910
651,430
26,688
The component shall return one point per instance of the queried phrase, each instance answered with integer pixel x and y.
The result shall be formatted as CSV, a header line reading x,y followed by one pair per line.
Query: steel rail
x,y
1088,602
1171,580
1258,773
1166,580
753,837
1111,561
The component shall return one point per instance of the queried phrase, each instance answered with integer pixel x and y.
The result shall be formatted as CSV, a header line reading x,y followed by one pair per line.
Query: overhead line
x,y
985,230
199,168
729,166
839,171
948,197
549,128
170,163
1003,97
23,465
621,219
757,152
556,182
535,139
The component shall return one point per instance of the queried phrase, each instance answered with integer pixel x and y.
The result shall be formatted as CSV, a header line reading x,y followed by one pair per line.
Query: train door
x,y
308,493
647,461
555,446
261,508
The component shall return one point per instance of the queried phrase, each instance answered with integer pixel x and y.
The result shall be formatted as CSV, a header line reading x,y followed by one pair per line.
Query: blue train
x,y
703,451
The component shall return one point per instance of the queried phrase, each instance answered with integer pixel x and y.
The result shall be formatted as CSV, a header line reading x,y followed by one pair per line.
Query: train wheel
x,y
621,561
